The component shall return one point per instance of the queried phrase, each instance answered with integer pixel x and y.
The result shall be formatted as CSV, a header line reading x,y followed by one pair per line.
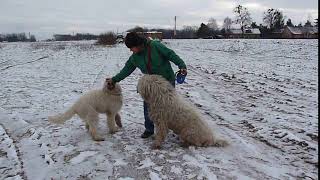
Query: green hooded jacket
x,y
160,62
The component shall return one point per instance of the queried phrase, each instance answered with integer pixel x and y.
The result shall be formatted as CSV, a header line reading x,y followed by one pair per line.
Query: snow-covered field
x,y
262,95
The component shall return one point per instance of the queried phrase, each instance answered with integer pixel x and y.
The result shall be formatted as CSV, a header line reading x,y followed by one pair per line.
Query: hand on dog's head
x,y
110,84
111,88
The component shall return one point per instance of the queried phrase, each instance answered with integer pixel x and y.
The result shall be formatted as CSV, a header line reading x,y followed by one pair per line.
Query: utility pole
x,y
175,27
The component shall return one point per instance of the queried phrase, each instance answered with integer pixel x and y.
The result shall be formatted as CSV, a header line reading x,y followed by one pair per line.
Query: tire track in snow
x,y
9,149
5,68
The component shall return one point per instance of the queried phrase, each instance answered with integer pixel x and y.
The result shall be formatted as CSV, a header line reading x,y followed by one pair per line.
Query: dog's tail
x,y
219,142
61,118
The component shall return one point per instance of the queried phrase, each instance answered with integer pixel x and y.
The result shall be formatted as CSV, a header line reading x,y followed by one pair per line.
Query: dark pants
x,y
148,124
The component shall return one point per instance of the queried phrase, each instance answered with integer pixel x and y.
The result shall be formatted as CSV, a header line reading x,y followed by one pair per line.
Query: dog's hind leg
x,y
92,119
219,142
83,116
118,120
111,123
188,138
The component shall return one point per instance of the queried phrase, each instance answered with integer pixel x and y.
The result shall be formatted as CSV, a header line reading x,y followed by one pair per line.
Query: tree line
x,y
15,37
273,20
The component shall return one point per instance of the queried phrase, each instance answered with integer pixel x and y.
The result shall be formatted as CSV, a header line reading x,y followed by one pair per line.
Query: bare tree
x,y
188,32
203,31
273,18
310,19
32,38
212,24
227,23
242,17
289,23
308,24
108,38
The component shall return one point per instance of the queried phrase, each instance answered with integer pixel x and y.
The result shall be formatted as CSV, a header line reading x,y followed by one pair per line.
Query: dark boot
x,y
146,134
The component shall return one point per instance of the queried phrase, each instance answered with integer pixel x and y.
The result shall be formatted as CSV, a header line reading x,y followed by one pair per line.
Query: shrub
x,y
108,38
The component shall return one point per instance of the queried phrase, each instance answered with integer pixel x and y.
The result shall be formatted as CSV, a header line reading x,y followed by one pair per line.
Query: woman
x,y
151,57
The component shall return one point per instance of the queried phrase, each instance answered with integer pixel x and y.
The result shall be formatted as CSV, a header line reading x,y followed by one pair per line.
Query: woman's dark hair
x,y
133,40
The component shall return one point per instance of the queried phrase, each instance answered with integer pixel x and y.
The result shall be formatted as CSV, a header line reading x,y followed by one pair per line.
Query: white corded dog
x,y
170,111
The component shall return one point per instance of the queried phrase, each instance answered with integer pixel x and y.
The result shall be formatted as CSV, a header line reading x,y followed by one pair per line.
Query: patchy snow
x,y
154,176
146,163
82,156
262,95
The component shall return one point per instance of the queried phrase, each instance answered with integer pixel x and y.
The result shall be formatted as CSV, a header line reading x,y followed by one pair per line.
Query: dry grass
x,y
108,38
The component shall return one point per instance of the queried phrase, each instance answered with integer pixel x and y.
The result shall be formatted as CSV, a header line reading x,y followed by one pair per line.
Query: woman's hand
x,y
183,71
110,83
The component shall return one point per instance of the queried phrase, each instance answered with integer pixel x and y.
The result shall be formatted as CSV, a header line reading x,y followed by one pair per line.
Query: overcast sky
x,y
43,18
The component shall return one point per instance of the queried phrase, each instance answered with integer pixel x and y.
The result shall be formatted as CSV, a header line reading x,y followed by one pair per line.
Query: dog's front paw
x,y
113,130
184,145
98,138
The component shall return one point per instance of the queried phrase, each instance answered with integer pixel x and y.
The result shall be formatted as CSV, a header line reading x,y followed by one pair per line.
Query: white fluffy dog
x,y
88,107
169,111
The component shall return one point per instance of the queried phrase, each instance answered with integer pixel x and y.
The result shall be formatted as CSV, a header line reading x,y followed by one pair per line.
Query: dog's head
x,y
154,87
115,90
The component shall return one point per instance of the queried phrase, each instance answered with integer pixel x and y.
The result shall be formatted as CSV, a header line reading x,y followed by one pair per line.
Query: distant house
x,y
276,34
252,33
300,32
152,35
62,37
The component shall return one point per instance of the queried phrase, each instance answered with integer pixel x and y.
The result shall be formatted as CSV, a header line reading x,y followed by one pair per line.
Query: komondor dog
x,y
88,107
170,111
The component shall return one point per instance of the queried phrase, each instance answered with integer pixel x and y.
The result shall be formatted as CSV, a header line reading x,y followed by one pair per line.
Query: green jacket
x,y
160,62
